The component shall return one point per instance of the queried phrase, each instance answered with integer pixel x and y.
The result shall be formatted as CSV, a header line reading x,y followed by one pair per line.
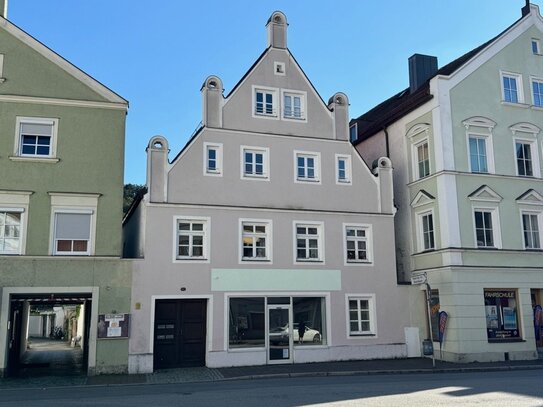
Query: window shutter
x,y
72,226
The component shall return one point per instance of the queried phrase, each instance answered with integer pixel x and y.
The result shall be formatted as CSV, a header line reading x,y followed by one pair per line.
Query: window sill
x,y
265,115
247,260
191,259
50,160
534,107
73,254
295,119
343,182
214,173
357,262
308,181
361,335
308,261
255,177
518,104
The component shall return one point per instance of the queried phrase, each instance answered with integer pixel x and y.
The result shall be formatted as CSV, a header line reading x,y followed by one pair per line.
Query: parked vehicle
x,y
281,335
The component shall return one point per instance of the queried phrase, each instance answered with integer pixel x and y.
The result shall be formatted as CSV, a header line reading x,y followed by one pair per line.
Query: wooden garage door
x,y
180,333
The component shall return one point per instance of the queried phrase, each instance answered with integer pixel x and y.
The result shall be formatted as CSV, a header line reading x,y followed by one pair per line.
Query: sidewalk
x,y
200,374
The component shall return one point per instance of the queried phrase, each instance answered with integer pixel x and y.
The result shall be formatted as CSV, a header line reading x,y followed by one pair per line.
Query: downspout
x,y
386,142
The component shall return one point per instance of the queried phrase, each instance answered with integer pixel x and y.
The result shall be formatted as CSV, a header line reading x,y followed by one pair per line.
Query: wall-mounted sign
x,y
113,326
418,279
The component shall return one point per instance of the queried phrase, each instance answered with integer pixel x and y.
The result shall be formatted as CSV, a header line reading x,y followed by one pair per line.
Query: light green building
x,y
61,186
465,141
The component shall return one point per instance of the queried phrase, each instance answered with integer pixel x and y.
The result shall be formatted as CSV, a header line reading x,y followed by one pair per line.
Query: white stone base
x,y
485,356
142,363
255,357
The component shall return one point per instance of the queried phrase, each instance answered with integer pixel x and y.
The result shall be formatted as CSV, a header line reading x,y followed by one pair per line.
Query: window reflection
x,y
246,322
308,325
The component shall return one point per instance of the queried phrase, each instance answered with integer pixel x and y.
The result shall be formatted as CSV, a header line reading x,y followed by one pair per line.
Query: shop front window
x,y
246,323
501,309
308,326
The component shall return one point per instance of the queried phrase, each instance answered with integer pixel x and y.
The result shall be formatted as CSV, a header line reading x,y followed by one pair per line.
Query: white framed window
x,y
191,238
73,224
478,158
308,242
343,169
487,227
512,87
537,91
213,159
531,229
72,232
11,224
535,46
36,137
265,103
255,245
13,221
254,163
294,104
422,159
526,158
357,243
425,229
361,316
479,144
306,166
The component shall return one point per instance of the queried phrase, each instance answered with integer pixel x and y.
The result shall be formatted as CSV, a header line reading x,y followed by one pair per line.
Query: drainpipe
x,y
386,142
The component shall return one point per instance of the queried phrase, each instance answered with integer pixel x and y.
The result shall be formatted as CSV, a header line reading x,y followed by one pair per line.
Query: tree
x,y
131,192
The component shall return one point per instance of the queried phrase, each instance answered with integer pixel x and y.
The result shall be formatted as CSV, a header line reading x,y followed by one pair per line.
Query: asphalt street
x,y
511,388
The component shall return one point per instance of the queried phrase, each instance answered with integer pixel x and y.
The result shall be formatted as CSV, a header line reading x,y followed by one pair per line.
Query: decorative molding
x,y
62,102
479,121
422,198
417,129
485,194
525,128
530,197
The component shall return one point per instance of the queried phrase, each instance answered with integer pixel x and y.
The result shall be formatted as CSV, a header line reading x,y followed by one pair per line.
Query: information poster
x,y
113,326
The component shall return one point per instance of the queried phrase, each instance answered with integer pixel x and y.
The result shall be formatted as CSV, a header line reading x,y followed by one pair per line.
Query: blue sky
x,y
157,53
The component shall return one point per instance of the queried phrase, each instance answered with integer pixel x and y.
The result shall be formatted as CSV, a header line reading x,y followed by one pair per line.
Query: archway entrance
x,y
48,334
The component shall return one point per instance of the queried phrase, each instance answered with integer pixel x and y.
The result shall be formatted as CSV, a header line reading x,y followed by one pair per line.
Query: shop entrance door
x,y
279,334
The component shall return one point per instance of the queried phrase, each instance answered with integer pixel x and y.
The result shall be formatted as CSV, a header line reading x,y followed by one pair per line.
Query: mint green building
x,y
465,141
61,186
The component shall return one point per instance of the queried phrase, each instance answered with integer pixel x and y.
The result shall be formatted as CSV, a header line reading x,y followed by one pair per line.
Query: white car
x,y
310,335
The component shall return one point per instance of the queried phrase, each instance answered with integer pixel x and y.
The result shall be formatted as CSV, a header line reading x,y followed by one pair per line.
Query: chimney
x,y
4,8
525,10
383,170
157,165
212,100
339,105
421,68
277,30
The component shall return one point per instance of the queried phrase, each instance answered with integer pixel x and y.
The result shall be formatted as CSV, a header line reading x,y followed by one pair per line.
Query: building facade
x,y
266,239
466,144
61,160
